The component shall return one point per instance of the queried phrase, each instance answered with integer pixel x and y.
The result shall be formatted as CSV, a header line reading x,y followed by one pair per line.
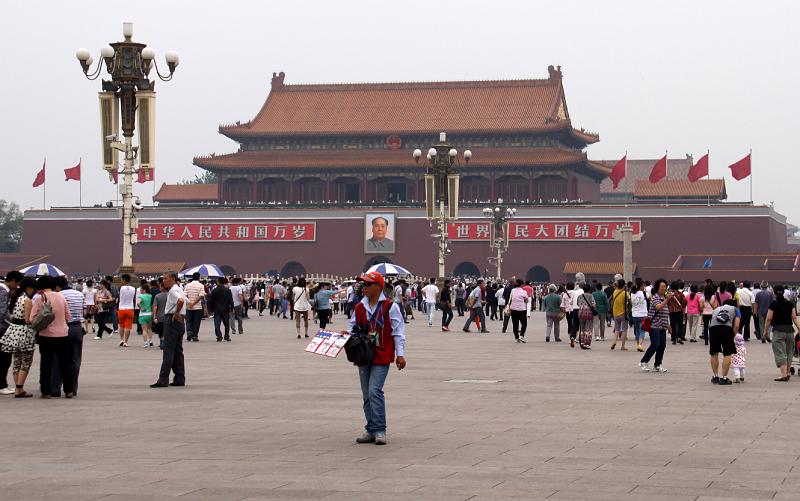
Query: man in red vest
x,y
384,318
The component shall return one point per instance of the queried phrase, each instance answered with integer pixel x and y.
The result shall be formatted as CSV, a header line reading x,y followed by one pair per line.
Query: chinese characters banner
x,y
227,232
543,230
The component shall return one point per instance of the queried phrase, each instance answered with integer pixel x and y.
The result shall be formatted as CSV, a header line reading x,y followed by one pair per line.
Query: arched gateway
x,y
538,274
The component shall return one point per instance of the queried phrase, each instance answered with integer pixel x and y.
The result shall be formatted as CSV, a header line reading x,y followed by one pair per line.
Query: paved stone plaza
x,y
261,419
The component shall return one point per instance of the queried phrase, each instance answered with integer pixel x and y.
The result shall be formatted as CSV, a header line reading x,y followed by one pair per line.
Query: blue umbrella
x,y
38,270
388,269
205,270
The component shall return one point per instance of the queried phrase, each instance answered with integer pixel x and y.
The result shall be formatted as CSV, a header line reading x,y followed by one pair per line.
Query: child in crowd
x,y
739,359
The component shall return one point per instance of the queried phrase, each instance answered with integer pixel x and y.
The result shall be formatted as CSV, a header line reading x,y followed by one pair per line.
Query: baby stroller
x,y
796,358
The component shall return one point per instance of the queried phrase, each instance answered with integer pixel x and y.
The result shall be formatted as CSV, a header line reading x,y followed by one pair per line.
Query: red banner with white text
x,y
227,232
552,231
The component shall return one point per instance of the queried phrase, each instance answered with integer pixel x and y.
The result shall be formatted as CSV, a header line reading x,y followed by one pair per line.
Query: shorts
x,y
720,340
125,319
89,311
621,324
145,318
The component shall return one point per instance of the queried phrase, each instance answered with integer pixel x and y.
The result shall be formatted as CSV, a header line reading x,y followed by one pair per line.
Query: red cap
x,y
372,277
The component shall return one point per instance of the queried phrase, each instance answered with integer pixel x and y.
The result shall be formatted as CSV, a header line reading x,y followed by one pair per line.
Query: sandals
x,y
784,378
24,394
613,345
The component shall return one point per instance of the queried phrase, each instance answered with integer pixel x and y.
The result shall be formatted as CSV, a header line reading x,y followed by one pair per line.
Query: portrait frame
x,y
391,233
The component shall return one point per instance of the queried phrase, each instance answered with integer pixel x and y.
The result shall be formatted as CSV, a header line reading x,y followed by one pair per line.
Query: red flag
x,y
39,177
145,175
73,173
741,169
659,171
700,169
115,176
619,171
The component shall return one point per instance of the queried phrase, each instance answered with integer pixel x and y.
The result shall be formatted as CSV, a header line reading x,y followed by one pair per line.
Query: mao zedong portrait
x,y
379,242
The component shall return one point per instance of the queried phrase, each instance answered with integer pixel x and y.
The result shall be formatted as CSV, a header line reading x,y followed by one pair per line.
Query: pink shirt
x,y
721,297
693,306
517,299
58,327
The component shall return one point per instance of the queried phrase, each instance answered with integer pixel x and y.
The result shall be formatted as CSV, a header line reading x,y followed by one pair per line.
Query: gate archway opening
x,y
466,269
538,274
293,269
375,260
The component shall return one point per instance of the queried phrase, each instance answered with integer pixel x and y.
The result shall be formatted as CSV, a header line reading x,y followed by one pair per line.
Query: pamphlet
x,y
327,343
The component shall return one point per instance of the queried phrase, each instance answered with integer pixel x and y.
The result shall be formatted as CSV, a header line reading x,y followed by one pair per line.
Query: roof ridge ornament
x,y
555,72
277,80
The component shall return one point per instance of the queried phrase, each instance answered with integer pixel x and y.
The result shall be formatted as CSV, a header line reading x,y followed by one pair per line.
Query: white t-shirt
x,y
88,296
127,297
236,291
430,291
638,305
175,293
745,297
300,298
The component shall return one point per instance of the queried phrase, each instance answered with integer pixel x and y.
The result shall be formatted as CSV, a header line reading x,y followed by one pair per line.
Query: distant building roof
x,y
10,261
157,268
593,268
639,170
413,107
186,193
683,189
315,159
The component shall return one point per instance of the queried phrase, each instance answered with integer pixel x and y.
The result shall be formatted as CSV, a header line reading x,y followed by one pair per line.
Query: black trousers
x,y
102,318
447,315
460,307
193,319
519,321
58,348
706,323
222,318
75,336
172,350
573,324
747,314
5,363
676,322
324,317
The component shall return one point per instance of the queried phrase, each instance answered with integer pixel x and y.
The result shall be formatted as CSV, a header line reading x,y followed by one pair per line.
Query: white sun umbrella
x,y
389,269
43,269
205,270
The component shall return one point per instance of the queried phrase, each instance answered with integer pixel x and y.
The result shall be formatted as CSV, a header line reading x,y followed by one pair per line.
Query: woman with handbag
x,y
52,337
19,338
586,313
301,304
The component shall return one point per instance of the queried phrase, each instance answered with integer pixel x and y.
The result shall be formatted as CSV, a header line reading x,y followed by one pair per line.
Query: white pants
x,y
431,311
738,373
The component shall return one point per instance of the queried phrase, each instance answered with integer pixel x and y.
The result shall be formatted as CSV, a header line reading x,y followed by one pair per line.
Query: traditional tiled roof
x,y
639,170
702,188
410,108
186,193
592,268
366,158
157,268
10,261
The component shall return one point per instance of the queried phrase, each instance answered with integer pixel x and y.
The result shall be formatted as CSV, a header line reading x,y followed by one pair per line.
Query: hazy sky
x,y
683,76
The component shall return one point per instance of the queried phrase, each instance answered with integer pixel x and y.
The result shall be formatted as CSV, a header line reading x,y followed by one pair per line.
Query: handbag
x,y
360,348
44,316
507,310
646,325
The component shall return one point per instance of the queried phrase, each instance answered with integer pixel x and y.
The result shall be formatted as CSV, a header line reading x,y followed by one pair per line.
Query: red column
x,y
291,190
327,187
531,193
364,197
493,197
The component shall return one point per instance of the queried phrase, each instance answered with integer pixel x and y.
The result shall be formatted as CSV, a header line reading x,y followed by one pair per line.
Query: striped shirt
x,y
75,303
659,319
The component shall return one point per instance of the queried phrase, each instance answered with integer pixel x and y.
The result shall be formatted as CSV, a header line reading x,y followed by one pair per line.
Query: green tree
x,y
205,177
10,226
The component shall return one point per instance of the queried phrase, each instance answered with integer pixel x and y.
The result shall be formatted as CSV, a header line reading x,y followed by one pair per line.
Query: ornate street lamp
x,y
500,215
441,190
128,64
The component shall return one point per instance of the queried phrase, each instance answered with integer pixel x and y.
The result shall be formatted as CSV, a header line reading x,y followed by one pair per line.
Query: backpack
x,y
44,317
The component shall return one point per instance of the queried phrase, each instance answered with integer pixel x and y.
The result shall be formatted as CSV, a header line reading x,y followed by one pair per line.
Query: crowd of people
x,y
723,316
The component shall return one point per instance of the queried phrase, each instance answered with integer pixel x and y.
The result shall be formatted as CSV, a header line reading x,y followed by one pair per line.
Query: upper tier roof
x,y
186,193
496,106
316,159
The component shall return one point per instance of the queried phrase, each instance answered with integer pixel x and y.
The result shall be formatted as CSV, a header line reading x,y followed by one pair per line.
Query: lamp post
x,y
441,190
128,63
500,215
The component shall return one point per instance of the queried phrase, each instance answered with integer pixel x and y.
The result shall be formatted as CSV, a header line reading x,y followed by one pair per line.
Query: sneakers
x,y
146,345
644,367
380,439
724,381
7,391
639,348
597,338
715,380
366,438
522,339
98,337
660,368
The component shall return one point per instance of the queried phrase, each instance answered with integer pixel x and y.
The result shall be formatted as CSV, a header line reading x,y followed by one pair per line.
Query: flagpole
x,y
80,185
751,176
708,172
666,173
626,175
44,188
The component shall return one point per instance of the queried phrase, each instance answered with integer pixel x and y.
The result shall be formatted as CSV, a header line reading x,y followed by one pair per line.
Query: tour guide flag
x,y
618,172
39,176
700,169
659,171
73,173
741,169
